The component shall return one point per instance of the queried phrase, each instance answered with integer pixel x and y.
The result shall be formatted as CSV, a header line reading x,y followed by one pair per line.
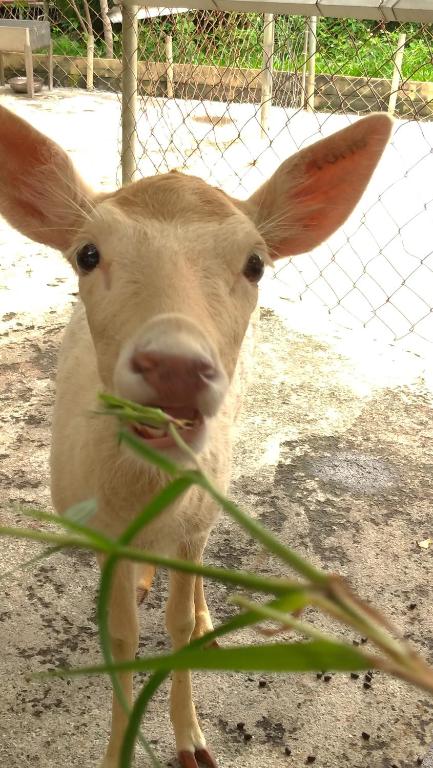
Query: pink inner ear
x,y
40,193
30,210
23,152
22,148
321,203
316,190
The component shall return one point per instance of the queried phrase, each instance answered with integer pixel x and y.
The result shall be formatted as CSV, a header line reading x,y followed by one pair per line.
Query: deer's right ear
x,y
312,193
41,195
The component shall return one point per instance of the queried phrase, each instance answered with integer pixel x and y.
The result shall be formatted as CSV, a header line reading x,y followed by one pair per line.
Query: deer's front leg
x,y
180,619
123,627
203,621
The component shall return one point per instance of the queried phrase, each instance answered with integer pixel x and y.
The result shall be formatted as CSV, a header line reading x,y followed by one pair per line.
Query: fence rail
x,y
380,10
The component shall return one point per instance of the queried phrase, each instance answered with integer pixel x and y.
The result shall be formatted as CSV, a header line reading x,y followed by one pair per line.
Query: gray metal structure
x,y
26,36
386,10
381,10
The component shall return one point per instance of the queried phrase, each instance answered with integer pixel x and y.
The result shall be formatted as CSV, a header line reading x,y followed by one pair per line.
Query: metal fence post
x,y
129,92
170,67
311,77
396,75
90,44
268,62
304,65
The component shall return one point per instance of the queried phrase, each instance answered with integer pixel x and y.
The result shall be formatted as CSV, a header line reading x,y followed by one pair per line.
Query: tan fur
x,y
172,197
173,252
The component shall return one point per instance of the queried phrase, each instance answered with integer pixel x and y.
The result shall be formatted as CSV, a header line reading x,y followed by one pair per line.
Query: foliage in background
x,y
344,46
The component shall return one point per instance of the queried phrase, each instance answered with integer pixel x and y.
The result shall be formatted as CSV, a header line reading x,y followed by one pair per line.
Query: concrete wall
x,y
334,93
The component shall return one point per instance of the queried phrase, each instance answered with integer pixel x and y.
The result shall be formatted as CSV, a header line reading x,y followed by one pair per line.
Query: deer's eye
x,y
254,268
87,258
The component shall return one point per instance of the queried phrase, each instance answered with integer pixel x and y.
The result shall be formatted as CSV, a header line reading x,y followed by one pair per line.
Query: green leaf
x,y
287,603
272,657
155,507
136,716
265,537
94,539
276,586
149,454
293,600
127,410
81,512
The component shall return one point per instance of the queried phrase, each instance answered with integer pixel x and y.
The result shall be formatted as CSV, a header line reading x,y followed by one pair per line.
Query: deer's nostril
x,y
146,363
174,378
143,363
192,381
206,371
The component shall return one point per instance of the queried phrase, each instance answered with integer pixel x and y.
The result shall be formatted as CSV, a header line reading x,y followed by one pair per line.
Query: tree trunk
x,y
108,31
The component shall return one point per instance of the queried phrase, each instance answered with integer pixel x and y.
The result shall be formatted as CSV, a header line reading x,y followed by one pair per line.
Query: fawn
x,y
168,272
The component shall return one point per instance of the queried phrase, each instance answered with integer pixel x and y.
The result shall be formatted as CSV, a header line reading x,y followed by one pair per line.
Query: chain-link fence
x,y
228,96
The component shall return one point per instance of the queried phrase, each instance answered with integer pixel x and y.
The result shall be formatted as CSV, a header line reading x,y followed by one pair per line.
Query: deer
x,y
168,271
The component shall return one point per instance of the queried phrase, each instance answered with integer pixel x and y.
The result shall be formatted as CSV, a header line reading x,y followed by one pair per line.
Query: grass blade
x,y
275,586
69,523
81,512
136,715
149,454
265,537
270,657
155,507
290,602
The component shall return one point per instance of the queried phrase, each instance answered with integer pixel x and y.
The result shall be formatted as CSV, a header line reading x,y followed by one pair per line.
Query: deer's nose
x,y
176,380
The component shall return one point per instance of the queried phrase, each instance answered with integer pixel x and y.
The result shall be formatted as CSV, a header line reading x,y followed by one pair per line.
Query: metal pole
x,y
90,62
312,47
304,66
28,61
170,68
129,92
395,82
268,62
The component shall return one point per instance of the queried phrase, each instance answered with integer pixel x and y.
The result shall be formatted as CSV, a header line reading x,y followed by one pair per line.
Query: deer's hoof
x,y
213,644
204,756
196,759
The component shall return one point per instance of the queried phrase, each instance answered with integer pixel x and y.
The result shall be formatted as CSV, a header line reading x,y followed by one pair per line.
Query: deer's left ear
x,y
41,194
314,191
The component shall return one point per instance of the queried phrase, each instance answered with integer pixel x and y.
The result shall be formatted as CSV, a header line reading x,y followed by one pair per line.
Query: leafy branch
x,y
286,598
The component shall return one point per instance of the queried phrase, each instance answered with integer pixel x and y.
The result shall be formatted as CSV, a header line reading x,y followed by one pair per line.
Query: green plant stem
x,y
142,701
349,614
275,586
94,537
158,504
268,612
267,539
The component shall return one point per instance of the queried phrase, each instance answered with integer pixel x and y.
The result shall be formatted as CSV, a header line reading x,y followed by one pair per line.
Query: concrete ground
x,y
334,453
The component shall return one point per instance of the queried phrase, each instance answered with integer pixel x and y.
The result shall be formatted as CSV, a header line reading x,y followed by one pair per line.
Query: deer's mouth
x,y
191,424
